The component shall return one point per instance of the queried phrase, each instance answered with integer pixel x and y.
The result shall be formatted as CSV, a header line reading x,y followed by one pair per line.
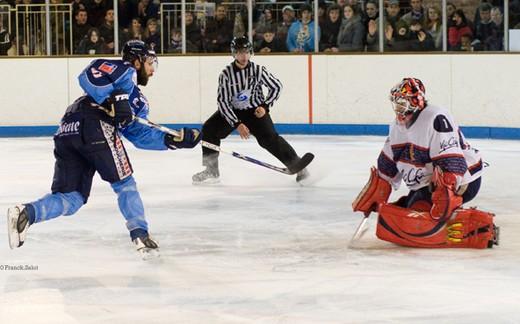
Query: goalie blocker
x,y
422,225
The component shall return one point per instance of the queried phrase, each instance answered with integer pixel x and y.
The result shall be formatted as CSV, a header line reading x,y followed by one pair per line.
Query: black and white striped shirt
x,y
241,89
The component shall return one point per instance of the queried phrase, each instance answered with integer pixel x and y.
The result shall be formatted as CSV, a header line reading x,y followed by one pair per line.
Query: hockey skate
x,y
147,247
17,225
207,176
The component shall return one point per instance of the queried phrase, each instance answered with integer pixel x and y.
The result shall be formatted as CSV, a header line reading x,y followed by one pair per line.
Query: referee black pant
x,y
217,128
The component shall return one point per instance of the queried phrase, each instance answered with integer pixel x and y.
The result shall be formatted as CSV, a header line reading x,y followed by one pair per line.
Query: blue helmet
x,y
137,50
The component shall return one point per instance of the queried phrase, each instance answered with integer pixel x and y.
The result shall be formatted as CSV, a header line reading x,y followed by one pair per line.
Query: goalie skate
x,y
17,225
206,176
147,247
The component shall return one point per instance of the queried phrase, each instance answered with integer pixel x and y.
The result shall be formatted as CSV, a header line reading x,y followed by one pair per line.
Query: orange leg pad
x,y
467,228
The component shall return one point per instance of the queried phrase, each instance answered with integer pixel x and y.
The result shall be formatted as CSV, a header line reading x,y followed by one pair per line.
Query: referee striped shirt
x,y
241,89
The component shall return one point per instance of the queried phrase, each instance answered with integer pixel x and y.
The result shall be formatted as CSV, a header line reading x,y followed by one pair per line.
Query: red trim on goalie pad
x,y
467,228
376,191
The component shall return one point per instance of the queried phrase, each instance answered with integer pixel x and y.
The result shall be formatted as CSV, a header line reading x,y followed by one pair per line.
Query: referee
x,y
243,106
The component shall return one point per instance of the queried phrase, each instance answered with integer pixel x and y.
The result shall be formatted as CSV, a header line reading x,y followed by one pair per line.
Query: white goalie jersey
x,y
434,139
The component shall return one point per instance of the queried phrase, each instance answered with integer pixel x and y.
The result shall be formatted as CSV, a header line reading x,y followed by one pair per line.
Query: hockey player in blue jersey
x,y
88,141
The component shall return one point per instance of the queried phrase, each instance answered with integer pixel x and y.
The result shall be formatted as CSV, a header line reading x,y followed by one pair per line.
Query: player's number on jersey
x,y
441,124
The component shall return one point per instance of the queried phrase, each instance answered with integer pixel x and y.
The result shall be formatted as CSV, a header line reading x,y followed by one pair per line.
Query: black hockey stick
x,y
297,167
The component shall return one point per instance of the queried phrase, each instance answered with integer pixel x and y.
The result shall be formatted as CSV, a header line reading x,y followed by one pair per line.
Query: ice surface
x,y
257,248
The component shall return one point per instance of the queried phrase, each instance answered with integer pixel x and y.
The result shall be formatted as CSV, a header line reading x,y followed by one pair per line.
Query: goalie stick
x,y
360,231
300,165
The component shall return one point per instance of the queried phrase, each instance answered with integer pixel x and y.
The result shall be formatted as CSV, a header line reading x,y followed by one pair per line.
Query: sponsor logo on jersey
x,y
70,128
413,176
447,144
108,68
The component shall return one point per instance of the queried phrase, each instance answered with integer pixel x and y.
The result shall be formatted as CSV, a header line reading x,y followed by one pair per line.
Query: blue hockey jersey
x,y
101,77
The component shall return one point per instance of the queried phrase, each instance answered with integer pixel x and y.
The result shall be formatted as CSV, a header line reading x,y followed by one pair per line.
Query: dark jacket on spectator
x,y
78,33
193,38
86,47
220,31
351,35
329,33
488,34
277,45
96,11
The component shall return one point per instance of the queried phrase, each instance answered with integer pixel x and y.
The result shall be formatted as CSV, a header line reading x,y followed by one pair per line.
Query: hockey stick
x,y
302,163
360,231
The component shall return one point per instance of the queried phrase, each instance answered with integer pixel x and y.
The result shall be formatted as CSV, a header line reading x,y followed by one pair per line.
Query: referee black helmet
x,y
241,43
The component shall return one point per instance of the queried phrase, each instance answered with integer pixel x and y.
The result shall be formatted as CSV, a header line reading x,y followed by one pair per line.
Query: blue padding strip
x,y
304,129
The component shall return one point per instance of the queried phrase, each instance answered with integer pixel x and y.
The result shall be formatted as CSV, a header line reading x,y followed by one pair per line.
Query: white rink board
x,y
481,90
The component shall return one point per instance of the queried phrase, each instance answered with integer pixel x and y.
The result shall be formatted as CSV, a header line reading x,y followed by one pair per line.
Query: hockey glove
x,y
444,198
188,138
122,112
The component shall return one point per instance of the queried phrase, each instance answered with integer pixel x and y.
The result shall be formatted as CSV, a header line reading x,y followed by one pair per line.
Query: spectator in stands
x,y
288,17
92,44
498,18
417,13
450,10
219,31
300,37
77,5
175,45
420,39
5,39
271,43
434,26
397,41
330,30
466,43
486,31
96,11
193,34
352,32
80,28
341,3
106,30
322,12
460,27
151,35
392,17
133,32
243,15
266,22
147,9
371,12
124,13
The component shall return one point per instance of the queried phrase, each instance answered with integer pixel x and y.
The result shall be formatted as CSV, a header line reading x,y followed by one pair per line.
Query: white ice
x,y
257,248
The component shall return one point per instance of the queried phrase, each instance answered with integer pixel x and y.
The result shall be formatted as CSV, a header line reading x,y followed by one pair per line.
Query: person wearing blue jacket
x,y
300,37
88,140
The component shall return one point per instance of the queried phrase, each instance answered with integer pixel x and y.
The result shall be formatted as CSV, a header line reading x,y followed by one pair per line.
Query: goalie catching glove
x,y
187,138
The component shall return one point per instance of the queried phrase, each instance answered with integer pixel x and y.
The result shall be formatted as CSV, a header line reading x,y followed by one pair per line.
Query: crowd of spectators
x,y
343,26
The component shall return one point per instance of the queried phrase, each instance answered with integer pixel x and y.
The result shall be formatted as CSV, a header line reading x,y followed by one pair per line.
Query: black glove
x,y
122,112
188,138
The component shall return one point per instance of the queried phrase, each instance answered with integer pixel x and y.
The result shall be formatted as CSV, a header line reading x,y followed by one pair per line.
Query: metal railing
x,y
47,29
34,36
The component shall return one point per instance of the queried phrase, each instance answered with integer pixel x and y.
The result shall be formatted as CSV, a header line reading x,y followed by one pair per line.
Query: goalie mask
x,y
408,97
